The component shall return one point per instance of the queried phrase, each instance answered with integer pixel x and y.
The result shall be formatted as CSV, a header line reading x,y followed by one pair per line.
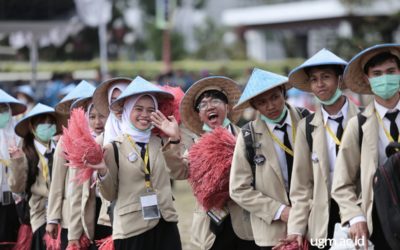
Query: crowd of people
x,y
286,179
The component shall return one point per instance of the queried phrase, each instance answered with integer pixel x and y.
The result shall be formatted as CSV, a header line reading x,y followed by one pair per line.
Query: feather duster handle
x,y
53,244
170,107
80,147
210,162
105,243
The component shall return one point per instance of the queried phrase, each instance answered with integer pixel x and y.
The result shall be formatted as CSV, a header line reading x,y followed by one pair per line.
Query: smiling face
x,y
140,114
96,121
323,82
270,103
212,108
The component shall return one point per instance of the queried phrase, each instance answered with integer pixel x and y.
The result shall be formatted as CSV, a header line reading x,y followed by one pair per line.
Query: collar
x,y
342,112
383,110
287,121
41,148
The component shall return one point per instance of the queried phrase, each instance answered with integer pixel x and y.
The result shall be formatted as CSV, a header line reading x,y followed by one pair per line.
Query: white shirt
x,y
281,153
333,125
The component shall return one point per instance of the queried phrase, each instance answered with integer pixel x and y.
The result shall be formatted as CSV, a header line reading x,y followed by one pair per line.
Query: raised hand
x,y
168,125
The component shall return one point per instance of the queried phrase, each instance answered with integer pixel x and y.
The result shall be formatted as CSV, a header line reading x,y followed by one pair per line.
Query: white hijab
x,y
127,126
112,129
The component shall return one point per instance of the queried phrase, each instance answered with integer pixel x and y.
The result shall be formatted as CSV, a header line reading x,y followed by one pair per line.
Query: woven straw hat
x,y
141,86
81,90
16,106
298,77
22,127
354,73
100,96
260,82
230,88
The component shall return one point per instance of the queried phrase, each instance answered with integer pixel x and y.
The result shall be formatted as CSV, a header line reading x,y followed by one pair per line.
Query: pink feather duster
x,y
80,147
53,244
106,243
170,107
210,162
24,239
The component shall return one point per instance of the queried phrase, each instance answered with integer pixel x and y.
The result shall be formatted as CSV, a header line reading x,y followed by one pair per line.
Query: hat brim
x,y
17,108
65,107
190,117
23,126
299,79
100,96
246,103
82,102
354,76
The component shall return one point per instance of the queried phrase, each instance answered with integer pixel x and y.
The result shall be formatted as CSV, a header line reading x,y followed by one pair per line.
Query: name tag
x,y
149,205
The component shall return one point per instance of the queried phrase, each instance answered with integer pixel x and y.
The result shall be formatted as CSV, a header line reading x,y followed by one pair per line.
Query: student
x,y
376,71
314,213
58,204
105,94
9,224
206,105
31,165
265,195
135,175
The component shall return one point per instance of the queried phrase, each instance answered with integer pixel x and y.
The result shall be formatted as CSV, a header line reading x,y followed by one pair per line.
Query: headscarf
x,y
127,126
112,129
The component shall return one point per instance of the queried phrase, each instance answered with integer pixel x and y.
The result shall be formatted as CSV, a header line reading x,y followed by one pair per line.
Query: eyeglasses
x,y
213,103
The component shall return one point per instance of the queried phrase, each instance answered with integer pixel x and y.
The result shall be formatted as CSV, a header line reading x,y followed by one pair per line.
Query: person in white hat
x,y
25,95
31,165
134,174
206,105
376,71
261,171
317,144
58,202
9,224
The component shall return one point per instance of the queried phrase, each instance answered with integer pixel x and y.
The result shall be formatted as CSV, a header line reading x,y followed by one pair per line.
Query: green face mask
x,y
225,124
277,120
333,99
45,131
385,86
4,119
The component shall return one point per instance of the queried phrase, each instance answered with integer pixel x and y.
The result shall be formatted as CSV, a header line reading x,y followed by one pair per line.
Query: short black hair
x,y
215,94
338,69
379,59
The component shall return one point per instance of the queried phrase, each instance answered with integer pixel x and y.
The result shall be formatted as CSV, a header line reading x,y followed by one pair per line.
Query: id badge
x,y
217,216
7,198
149,204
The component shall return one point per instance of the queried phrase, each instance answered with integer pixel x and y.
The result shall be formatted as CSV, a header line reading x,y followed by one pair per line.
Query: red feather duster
x,y
106,243
170,107
80,147
53,244
210,163
24,239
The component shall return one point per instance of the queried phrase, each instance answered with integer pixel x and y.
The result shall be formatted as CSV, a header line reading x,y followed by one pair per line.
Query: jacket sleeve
x,y
75,227
18,174
108,185
241,190
57,186
346,174
176,158
302,184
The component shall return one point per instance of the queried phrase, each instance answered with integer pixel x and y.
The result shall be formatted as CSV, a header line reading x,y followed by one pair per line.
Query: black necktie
x,y
394,130
289,158
142,146
49,157
339,131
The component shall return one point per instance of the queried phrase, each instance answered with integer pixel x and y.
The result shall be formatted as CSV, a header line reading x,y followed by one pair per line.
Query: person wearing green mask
x,y
206,105
9,224
317,144
263,157
31,165
376,71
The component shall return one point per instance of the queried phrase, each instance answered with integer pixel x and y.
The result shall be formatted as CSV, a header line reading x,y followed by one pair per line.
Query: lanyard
x,y
281,144
45,166
333,135
387,133
5,162
146,163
